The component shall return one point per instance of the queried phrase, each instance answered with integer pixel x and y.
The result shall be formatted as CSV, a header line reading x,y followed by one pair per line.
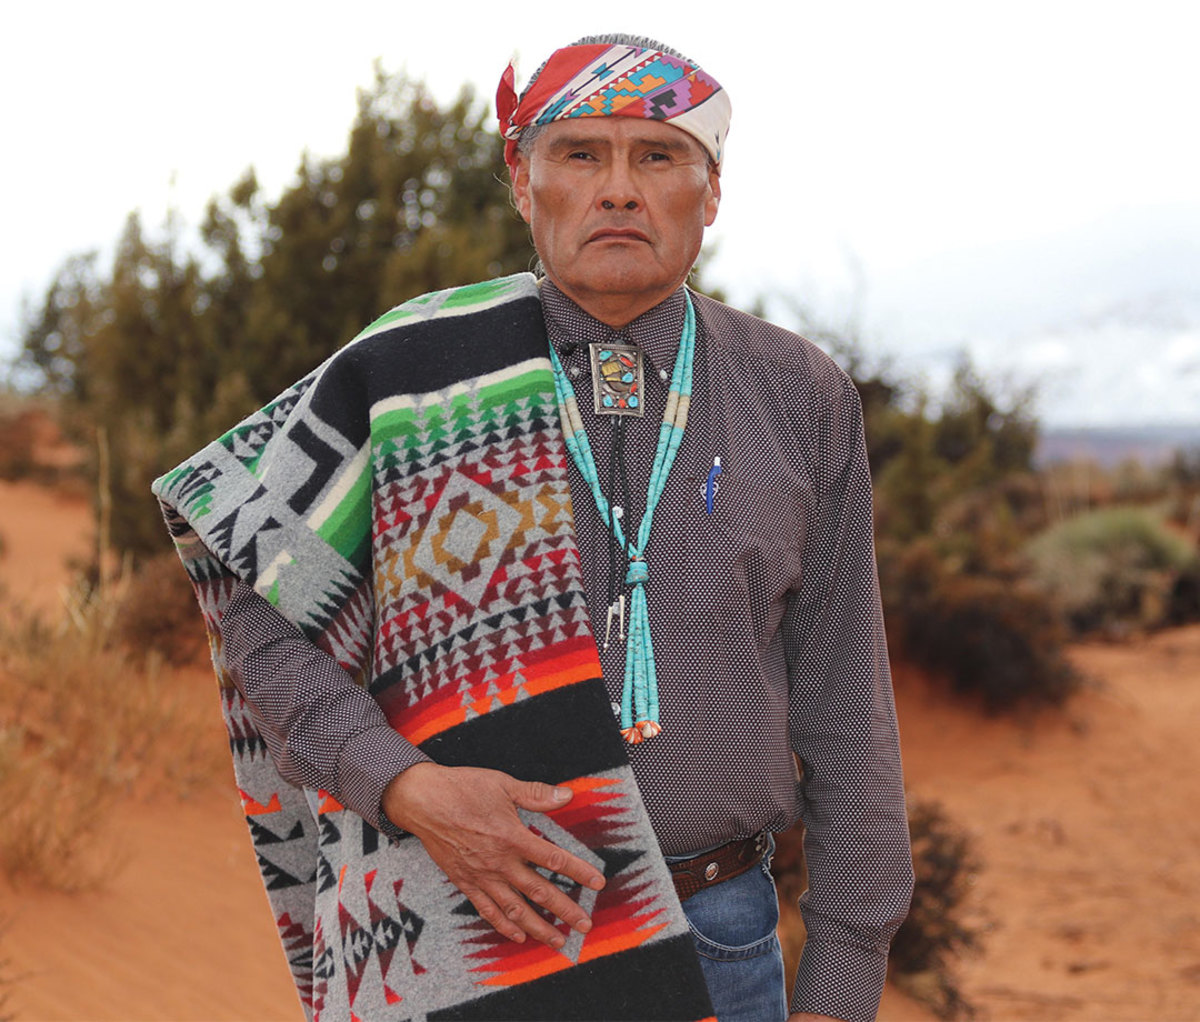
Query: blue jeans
x,y
733,925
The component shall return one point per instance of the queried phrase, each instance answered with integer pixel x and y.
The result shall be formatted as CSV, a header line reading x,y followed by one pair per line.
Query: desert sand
x,y
1084,819
44,535
1086,822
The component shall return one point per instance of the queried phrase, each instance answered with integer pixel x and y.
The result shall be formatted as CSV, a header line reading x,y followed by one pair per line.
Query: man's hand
x,y
467,820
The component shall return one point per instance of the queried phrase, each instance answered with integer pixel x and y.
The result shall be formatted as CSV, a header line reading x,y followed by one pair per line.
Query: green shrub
x,y
1115,569
990,636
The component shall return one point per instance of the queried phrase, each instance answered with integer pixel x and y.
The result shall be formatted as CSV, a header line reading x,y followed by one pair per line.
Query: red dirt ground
x,y
1085,820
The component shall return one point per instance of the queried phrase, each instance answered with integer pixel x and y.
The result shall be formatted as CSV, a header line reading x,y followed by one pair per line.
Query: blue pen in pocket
x,y
710,487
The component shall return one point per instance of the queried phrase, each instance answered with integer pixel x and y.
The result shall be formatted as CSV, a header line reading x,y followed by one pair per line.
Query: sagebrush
x,y
938,931
1117,569
159,613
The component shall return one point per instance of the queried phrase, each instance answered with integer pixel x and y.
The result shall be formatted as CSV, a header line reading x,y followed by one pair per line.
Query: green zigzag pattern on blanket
x,y
428,545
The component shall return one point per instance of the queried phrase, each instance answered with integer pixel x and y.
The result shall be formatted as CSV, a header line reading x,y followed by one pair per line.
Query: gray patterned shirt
x,y
767,631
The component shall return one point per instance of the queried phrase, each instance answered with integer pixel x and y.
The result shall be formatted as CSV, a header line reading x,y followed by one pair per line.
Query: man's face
x,y
618,207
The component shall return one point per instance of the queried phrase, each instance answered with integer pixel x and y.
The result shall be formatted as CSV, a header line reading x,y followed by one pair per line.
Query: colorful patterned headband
x,y
617,81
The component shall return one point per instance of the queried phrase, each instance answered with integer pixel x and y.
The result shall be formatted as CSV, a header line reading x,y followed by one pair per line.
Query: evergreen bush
x,y
17,438
995,637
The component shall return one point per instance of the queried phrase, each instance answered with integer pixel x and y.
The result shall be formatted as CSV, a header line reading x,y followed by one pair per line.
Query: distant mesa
x,y
1109,446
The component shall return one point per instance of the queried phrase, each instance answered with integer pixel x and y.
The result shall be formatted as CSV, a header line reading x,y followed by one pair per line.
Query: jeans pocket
x,y
735,920
722,953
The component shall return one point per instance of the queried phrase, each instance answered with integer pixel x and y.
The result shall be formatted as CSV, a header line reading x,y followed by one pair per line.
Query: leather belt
x,y
711,868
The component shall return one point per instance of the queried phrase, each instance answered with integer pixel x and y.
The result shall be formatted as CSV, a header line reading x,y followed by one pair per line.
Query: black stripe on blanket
x,y
431,355
662,982
559,735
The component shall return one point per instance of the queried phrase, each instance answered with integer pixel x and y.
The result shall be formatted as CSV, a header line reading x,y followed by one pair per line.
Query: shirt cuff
x,y
367,764
839,980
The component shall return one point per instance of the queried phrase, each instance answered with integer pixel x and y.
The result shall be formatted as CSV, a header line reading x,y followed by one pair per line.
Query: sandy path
x,y
1087,823
40,533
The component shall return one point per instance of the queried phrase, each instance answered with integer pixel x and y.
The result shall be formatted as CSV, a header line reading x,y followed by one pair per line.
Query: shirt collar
x,y
655,332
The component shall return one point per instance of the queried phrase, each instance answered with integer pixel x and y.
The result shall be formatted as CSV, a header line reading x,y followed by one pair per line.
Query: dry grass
x,y
87,724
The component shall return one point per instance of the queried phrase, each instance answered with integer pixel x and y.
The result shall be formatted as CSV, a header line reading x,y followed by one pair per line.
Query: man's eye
x,y
656,157
579,154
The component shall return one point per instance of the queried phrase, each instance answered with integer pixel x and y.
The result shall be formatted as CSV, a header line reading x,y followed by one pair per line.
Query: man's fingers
x,y
543,798
517,912
537,795
521,896
550,856
544,894
467,820
492,913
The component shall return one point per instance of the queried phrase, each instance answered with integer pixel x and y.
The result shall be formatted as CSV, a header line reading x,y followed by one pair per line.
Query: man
x,y
718,536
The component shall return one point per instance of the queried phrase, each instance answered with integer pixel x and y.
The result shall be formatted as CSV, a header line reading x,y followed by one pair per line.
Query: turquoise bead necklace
x,y
639,696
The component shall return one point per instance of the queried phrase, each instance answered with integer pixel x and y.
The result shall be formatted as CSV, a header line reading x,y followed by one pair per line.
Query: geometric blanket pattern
x,y
406,505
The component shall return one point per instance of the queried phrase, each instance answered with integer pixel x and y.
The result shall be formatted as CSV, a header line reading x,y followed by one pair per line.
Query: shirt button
x,y
662,375
575,371
711,871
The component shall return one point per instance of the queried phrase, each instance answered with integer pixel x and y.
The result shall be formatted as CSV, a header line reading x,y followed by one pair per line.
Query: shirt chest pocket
x,y
746,552
751,514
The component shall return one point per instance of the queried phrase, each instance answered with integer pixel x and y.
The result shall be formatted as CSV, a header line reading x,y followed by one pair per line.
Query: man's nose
x,y
618,189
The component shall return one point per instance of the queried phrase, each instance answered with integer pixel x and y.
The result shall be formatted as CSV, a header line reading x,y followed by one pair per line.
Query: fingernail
x,y
584,926
596,883
557,941
562,794
519,937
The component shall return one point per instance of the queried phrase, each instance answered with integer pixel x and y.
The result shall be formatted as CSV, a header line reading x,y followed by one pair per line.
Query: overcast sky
x,y
1021,181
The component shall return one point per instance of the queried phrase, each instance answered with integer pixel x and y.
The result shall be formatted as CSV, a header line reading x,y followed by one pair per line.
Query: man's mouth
x,y
617,234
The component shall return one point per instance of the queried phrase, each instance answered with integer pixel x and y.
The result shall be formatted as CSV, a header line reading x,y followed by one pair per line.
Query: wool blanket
x,y
406,505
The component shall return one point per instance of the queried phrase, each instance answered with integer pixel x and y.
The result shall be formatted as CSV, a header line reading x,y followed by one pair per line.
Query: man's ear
x,y
714,196
520,186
